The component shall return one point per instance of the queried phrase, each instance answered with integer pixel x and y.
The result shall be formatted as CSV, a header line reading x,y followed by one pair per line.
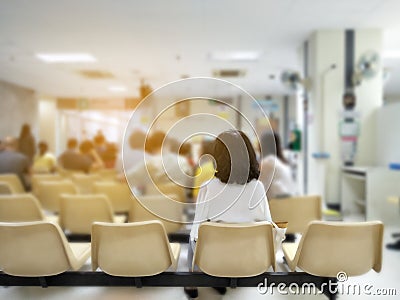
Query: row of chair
x,y
78,212
223,250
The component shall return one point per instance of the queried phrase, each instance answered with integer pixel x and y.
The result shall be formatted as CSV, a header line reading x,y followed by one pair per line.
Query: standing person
x,y
276,174
44,162
234,195
26,143
14,162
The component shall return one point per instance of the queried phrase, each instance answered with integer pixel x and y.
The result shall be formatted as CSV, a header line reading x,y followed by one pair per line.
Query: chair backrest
x,y
33,249
14,182
234,250
118,193
37,178
297,211
131,249
85,182
5,188
50,191
327,248
20,208
78,212
167,189
157,207
107,174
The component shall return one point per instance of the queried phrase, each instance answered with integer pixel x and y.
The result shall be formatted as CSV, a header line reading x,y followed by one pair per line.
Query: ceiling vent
x,y
95,74
229,73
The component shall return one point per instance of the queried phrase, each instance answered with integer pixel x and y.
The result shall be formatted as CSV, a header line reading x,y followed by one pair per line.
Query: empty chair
x,y
20,208
107,174
38,249
50,191
167,189
327,248
5,188
235,250
14,182
85,182
297,211
118,193
158,207
132,249
37,178
78,212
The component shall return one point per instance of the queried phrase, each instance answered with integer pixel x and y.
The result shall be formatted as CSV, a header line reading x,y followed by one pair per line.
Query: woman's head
x,y
235,158
86,146
271,145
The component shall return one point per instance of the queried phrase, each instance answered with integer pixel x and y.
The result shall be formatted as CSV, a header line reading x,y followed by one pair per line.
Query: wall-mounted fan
x,y
293,81
367,67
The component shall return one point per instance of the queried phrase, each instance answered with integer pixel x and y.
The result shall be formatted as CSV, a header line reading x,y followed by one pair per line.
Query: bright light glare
x,y
66,57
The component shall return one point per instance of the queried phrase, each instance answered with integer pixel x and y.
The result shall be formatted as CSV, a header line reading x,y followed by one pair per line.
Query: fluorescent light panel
x,y
235,56
117,88
66,57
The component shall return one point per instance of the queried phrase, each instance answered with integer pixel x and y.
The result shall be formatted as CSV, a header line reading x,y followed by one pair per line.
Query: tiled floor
x,y
388,278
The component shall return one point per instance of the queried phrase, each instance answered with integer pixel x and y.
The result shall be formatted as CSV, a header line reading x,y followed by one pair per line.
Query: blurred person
x,y
44,162
275,174
158,167
26,143
110,155
72,159
100,144
206,169
234,195
88,150
133,155
11,161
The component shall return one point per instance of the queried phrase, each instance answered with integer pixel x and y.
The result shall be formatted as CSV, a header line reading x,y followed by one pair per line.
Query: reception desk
x,y
368,192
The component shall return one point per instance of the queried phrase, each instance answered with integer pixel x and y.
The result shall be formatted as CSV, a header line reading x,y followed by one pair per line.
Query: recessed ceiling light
x,y
117,89
66,57
235,56
391,54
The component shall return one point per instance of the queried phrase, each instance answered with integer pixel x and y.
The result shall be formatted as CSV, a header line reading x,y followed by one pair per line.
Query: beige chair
x,y
327,248
14,182
20,208
107,174
85,182
167,189
235,250
297,211
38,249
133,249
157,207
5,188
50,191
118,193
78,212
37,178
67,174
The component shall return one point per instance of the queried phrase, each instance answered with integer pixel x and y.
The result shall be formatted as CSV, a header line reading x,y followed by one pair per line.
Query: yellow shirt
x,y
206,172
44,163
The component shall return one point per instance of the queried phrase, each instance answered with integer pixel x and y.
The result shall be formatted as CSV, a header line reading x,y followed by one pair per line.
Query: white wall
x,y
48,122
17,106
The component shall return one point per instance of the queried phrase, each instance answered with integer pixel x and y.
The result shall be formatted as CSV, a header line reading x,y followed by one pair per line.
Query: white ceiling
x,y
135,40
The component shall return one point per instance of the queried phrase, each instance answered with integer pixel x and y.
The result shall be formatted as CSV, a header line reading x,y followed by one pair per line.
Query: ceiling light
x,y
66,57
117,89
391,54
235,56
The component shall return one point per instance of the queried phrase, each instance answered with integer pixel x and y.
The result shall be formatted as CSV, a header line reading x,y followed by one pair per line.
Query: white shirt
x,y
276,177
230,203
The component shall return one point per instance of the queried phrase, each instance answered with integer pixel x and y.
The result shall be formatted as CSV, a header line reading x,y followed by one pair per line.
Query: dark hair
x,y
25,130
271,145
154,142
86,146
72,143
43,145
235,158
207,147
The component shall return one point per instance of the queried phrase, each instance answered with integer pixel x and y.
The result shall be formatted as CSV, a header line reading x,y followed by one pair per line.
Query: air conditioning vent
x,y
95,74
223,73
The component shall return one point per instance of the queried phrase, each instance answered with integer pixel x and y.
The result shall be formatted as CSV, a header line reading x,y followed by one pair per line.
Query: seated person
x,y
88,150
234,195
71,159
275,173
44,161
11,161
